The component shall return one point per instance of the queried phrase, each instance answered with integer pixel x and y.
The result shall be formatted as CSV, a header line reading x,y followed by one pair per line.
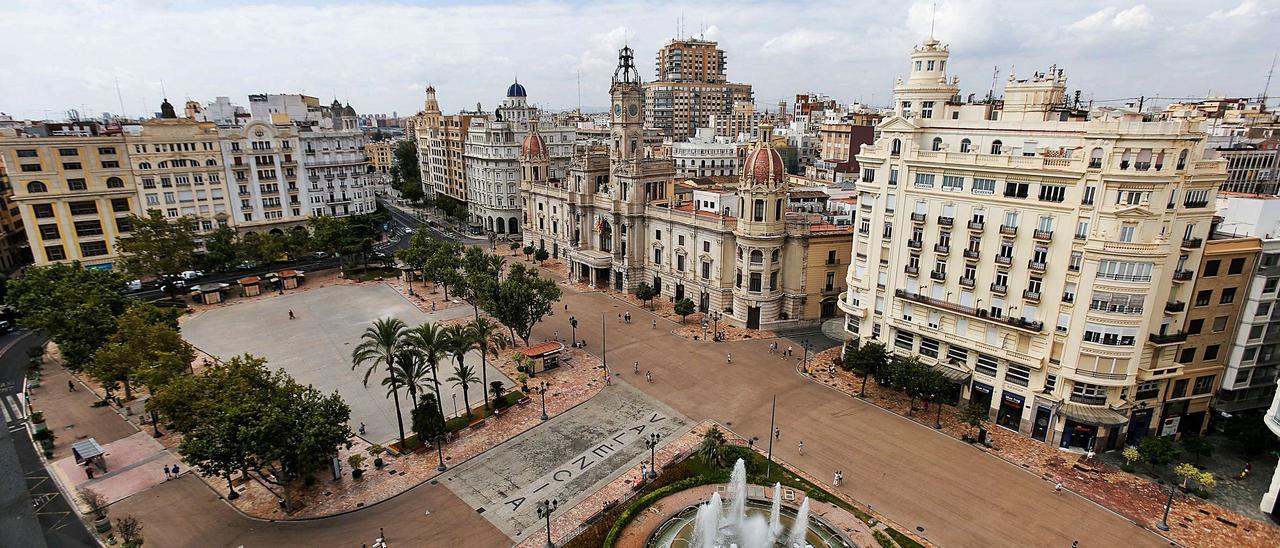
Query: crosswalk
x,y
11,408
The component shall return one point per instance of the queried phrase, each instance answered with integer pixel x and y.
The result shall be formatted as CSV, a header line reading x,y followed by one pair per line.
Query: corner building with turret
x,y
734,250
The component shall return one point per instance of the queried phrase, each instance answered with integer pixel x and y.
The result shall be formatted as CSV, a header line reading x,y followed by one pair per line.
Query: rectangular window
x,y
55,252
68,152
27,153
1228,296
1089,193
71,166
1237,266
84,208
1018,374
119,204
1126,233
1211,268
123,224
1219,324
924,180
1053,193
754,282
984,186
986,365
49,232
952,183
76,184
1187,355
1016,190
42,211
1204,385
1203,297
928,347
88,228
904,340
868,175
93,249
1211,352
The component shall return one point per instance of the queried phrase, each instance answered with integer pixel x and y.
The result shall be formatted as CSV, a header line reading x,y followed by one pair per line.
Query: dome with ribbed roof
x,y
764,165
534,146
516,90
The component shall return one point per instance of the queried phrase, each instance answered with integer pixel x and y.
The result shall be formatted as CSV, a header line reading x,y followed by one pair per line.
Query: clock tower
x,y
627,112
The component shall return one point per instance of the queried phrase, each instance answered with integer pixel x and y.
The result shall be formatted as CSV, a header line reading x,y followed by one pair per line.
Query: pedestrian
x,y
835,480
619,318
728,358
1248,467
71,385
643,470
800,447
556,335
655,324
773,347
88,471
167,475
840,477
789,351
777,433
433,306
648,376
751,443
566,307
175,470
1057,488
290,314
636,367
361,428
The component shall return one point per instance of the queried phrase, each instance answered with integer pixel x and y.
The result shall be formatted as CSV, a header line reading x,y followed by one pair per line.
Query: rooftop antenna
x,y
579,91
933,18
995,76
120,97
1267,87
163,92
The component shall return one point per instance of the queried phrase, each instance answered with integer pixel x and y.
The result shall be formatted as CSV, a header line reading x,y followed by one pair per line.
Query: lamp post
x,y
715,317
652,444
542,391
440,451
155,425
937,418
545,508
455,404
1164,521
573,324
804,363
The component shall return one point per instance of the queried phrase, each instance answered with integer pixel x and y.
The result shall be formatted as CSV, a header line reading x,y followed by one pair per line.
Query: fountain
x,y
741,522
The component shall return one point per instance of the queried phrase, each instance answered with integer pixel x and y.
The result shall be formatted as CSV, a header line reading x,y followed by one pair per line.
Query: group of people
x,y
773,349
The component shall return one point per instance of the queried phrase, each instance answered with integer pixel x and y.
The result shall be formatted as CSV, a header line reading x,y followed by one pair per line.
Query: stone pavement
x,y
566,459
133,465
316,347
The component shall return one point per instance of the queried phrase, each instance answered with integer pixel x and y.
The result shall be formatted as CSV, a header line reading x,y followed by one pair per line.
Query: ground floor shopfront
x,y
1065,424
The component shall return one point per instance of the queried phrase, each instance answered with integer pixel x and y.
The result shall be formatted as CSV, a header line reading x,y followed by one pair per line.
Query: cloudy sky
x,y
380,54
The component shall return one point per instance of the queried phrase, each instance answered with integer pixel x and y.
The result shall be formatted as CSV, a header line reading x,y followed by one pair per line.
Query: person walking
x,y
167,475
728,357
291,314
835,480
566,307
175,470
619,318
648,376
636,367
800,447
88,471
555,335
777,433
1057,488
655,324
71,385
626,317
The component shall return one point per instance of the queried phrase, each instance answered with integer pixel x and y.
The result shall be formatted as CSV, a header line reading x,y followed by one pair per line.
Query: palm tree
x,y
497,264
712,447
428,340
380,344
486,337
463,376
411,371
458,342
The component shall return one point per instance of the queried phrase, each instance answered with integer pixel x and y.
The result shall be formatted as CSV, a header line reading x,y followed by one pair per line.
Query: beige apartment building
x,y
261,161
692,90
442,143
74,194
1029,251
381,155
177,163
14,251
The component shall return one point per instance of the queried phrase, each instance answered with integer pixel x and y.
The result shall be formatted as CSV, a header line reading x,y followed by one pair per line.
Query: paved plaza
x,y
316,347
566,459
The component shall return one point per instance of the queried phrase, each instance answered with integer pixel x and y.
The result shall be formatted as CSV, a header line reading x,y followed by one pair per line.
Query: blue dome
x,y
516,90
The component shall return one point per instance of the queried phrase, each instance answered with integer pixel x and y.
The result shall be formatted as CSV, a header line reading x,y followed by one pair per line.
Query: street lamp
x,y
804,364
1164,521
440,450
455,403
652,444
542,391
545,508
573,323
155,425
937,419
715,316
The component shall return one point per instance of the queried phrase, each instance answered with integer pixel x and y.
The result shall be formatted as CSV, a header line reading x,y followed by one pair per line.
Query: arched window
x,y
937,143
897,147
965,145
210,162
757,256
114,182
773,258
996,146
1182,160
37,186
1095,158
144,165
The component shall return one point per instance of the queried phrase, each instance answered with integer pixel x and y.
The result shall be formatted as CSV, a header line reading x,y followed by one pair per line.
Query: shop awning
x,y
86,449
952,374
1092,414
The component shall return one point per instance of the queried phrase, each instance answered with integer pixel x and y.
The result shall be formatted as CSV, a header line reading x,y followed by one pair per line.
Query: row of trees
x,y
405,175
908,375
411,358
513,294
158,247
239,416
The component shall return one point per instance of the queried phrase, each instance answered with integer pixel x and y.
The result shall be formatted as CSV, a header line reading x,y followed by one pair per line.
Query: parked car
x,y
135,285
5,326
408,230
191,274
246,265
320,255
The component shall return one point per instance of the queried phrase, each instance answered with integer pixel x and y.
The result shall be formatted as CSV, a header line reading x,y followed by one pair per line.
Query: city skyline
x,y
392,51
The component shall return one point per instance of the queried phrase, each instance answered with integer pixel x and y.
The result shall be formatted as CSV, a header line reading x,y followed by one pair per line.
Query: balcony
x,y
1009,230
918,217
915,244
946,221
1004,260
1159,339
1033,296
912,270
1142,166
1019,323
864,231
1042,235
941,249
1175,307
968,282
1192,243
1196,204
972,254
1095,163
1036,266
977,226
1183,275
938,275
999,288
1089,400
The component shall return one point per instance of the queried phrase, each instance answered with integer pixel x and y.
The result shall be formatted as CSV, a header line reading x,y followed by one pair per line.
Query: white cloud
x,y
378,54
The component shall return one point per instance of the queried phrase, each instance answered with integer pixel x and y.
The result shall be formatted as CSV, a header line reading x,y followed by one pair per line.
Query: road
x,y
33,511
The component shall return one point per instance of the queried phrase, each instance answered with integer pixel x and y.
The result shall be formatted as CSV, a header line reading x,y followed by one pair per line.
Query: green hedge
x,y
479,413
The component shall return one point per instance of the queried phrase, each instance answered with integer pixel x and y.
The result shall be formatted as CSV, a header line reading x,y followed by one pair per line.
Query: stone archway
x,y
513,225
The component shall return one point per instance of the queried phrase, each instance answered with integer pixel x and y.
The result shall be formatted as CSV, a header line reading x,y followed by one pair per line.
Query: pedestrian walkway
x,y
11,408
133,465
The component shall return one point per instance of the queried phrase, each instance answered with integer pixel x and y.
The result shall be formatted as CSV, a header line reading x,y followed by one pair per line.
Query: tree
x,y
410,371
141,352
458,341
487,339
428,422
974,415
645,293
75,306
513,246
463,376
1186,471
541,255
522,299
868,359
130,532
429,340
528,251
222,249
406,163
1197,446
1157,450
156,246
418,252
497,389
442,264
684,307
411,191
712,447
380,344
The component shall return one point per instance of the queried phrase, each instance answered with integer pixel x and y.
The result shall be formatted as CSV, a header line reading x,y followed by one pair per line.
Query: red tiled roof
x,y
538,350
808,194
830,228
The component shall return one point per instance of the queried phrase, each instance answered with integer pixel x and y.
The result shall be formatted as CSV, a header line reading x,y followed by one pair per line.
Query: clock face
x,y
633,109
617,109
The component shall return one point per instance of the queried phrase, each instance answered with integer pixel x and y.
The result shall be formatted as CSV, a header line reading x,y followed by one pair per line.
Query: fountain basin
x,y
678,531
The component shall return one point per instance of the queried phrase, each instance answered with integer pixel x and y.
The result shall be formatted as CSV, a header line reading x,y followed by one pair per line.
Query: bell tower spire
x,y
627,116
